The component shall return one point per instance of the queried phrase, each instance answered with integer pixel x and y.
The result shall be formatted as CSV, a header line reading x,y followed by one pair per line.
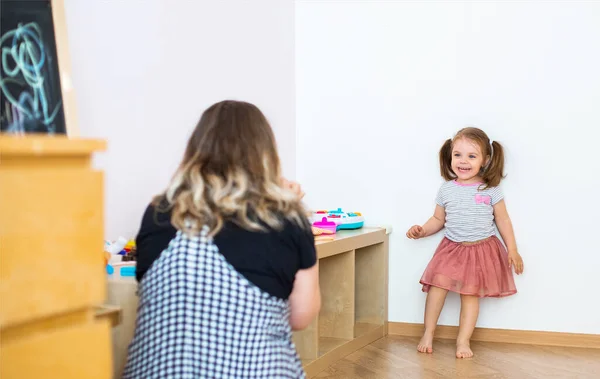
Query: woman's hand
x,y
416,232
515,260
292,186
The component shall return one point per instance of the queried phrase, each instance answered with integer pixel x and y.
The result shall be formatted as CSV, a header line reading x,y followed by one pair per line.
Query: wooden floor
x,y
396,357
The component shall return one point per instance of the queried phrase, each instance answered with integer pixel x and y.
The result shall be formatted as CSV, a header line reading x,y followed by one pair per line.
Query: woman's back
x,y
226,260
268,259
202,319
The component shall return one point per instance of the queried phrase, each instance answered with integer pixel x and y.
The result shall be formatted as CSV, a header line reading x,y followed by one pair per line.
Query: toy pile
x,y
120,256
326,223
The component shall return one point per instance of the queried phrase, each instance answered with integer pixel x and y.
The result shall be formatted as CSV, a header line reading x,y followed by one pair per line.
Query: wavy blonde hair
x,y
230,171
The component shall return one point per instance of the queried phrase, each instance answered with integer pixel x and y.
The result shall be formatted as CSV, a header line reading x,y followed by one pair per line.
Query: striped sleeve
x,y
497,195
439,199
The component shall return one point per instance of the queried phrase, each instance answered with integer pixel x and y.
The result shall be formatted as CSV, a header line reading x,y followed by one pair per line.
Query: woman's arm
x,y
305,299
506,231
432,226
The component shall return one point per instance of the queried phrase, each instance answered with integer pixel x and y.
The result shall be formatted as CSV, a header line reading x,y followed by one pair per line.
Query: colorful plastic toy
x,y
121,269
343,220
324,224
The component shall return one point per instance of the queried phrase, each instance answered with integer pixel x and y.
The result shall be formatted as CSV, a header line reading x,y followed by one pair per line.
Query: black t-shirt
x,y
269,259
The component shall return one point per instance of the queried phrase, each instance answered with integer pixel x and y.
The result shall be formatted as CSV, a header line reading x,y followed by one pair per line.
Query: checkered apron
x,y
199,318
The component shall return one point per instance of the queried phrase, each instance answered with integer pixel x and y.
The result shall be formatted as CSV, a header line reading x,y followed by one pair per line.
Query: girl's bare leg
x,y
469,311
433,307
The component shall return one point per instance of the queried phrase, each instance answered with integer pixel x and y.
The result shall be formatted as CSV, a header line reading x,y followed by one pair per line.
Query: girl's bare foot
x,y
463,350
426,344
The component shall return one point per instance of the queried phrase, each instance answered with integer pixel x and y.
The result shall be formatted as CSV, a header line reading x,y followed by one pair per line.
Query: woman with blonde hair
x,y
226,265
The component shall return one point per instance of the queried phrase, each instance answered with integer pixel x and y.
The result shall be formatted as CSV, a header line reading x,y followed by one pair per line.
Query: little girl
x,y
470,260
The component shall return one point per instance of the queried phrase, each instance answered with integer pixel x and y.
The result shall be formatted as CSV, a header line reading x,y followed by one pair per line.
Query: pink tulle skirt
x,y
478,269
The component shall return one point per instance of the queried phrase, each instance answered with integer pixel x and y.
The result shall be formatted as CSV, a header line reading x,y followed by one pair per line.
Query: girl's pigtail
x,y
494,172
446,160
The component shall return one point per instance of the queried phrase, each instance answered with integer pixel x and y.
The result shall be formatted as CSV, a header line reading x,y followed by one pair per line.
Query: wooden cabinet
x,y
51,260
353,274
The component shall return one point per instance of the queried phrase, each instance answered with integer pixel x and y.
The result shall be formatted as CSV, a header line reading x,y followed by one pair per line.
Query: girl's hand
x,y
292,186
515,260
416,232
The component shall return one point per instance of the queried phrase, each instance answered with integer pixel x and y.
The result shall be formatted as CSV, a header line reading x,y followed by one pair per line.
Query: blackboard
x,y
31,97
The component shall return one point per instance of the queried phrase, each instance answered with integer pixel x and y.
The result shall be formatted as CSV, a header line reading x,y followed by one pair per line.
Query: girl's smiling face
x,y
467,160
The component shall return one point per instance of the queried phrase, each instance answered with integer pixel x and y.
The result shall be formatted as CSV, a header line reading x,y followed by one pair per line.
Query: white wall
x,y
144,71
381,85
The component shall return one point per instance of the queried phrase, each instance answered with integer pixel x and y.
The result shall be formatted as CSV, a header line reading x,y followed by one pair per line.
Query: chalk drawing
x,y
22,81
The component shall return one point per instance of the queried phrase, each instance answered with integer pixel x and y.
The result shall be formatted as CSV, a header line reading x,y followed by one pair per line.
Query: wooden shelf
x,y
336,276
353,278
111,313
361,328
371,284
307,342
327,344
347,240
47,145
